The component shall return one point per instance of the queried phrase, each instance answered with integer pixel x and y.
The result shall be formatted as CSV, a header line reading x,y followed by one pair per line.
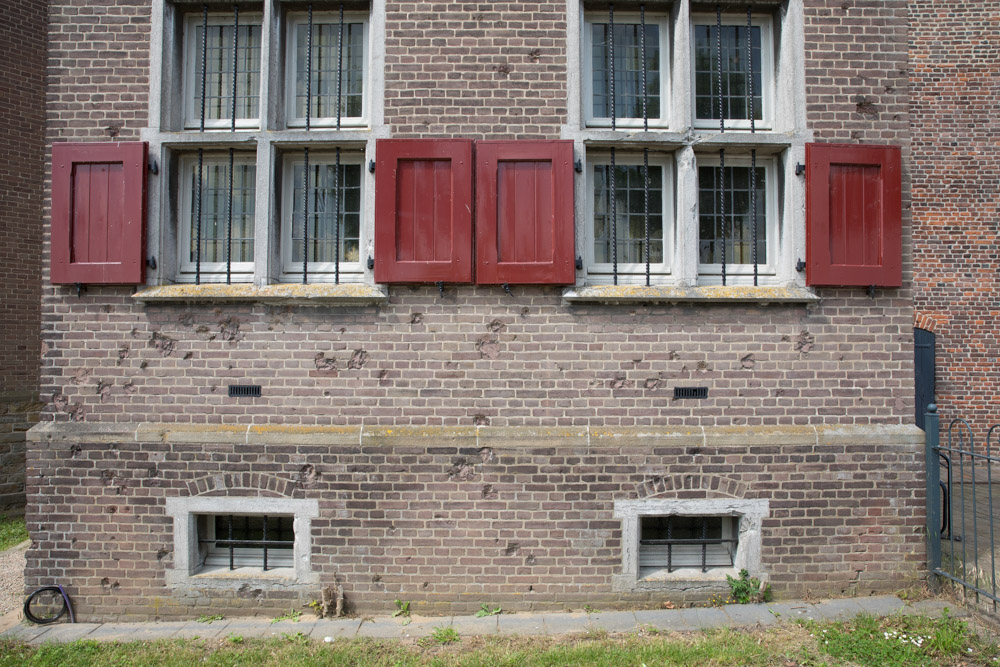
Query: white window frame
x,y
742,274
751,513
211,272
587,70
320,272
767,74
188,570
631,273
297,19
191,87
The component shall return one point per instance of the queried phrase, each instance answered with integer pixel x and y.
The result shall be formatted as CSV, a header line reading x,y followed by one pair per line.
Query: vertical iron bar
x,y
932,458
975,526
642,51
670,546
718,48
204,61
989,490
340,60
222,68
229,223
611,52
236,47
231,564
309,34
336,220
645,206
305,215
614,220
722,208
961,481
753,152
265,543
704,544
197,203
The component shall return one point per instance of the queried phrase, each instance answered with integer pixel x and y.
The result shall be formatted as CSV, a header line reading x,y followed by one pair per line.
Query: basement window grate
x,y
690,392
247,541
244,390
675,542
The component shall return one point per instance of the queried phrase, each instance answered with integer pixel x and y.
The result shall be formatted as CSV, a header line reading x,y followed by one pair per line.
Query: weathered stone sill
x,y
345,294
623,294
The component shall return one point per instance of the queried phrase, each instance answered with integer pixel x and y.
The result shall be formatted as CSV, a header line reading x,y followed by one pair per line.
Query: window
x,y
217,230
210,68
630,79
733,208
323,87
334,201
738,87
671,540
226,536
629,221
668,543
246,542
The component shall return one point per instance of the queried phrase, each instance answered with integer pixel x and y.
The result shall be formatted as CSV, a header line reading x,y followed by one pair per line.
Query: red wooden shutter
x,y
853,215
423,211
524,212
98,213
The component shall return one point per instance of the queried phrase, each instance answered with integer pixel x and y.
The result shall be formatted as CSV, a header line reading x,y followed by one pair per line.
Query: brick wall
x,y
475,357
22,131
453,518
956,172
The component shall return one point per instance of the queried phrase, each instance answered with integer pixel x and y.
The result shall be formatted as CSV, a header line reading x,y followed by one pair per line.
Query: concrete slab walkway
x,y
677,620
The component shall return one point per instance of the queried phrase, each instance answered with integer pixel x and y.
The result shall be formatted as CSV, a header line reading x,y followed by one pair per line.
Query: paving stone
x,y
382,629
336,628
125,632
670,620
790,611
469,626
838,610
26,633
708,617
746,615
935,608
69,632
292,628
422,626
518,624
203,630
880,605
613,621
564,624
249,628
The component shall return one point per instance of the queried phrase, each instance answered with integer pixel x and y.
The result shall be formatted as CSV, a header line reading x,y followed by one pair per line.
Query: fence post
x,y
932,441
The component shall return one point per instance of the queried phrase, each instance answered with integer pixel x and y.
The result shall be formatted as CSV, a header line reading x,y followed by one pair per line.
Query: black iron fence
x,y
961,514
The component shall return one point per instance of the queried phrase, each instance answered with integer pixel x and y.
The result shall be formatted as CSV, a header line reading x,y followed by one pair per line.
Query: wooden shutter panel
x,y
99,213
423,210
524,212
853,215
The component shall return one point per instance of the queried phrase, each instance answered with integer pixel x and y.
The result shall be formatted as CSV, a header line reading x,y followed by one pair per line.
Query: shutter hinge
x,y
80,288
871,291
799,169
154,168
151,263
578,166
800,266
579,263
440,286
371,262
371,166
506,288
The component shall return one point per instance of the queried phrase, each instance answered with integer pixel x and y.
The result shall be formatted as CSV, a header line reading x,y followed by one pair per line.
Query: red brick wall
x,y
22,134
956,175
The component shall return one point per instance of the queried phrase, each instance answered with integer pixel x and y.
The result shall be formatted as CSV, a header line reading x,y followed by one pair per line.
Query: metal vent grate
x,y
241,390
690,392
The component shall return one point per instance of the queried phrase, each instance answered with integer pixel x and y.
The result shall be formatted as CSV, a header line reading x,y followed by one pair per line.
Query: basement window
x,y
669,543
246,543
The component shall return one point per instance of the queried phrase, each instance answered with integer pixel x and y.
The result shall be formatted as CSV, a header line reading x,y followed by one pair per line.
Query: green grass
x,y
12,532
863,641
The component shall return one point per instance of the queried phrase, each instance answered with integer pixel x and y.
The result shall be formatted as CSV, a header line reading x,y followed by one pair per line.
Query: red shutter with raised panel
x,y
524,212
99,213
423,211
853,215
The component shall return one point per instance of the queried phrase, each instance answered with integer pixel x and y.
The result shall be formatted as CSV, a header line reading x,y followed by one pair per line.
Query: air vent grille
x,y
690,392
244,390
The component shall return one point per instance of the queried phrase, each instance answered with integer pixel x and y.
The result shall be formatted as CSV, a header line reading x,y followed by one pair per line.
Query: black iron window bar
x,y
704,542
231,543
201,152
752,112
339,185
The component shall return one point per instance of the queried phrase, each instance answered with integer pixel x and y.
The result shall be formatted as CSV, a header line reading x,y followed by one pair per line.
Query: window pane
x,y
738,221
325,200
323,70
629,214
735,98
219,71
216,207
628,71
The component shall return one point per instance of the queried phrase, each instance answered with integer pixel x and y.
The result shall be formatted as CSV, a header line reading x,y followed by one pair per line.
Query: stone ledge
x,y
906,435
345,294
625,294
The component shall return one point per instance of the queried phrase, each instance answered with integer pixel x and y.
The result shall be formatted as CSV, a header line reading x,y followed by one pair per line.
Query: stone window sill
x,y
352,294
624,294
